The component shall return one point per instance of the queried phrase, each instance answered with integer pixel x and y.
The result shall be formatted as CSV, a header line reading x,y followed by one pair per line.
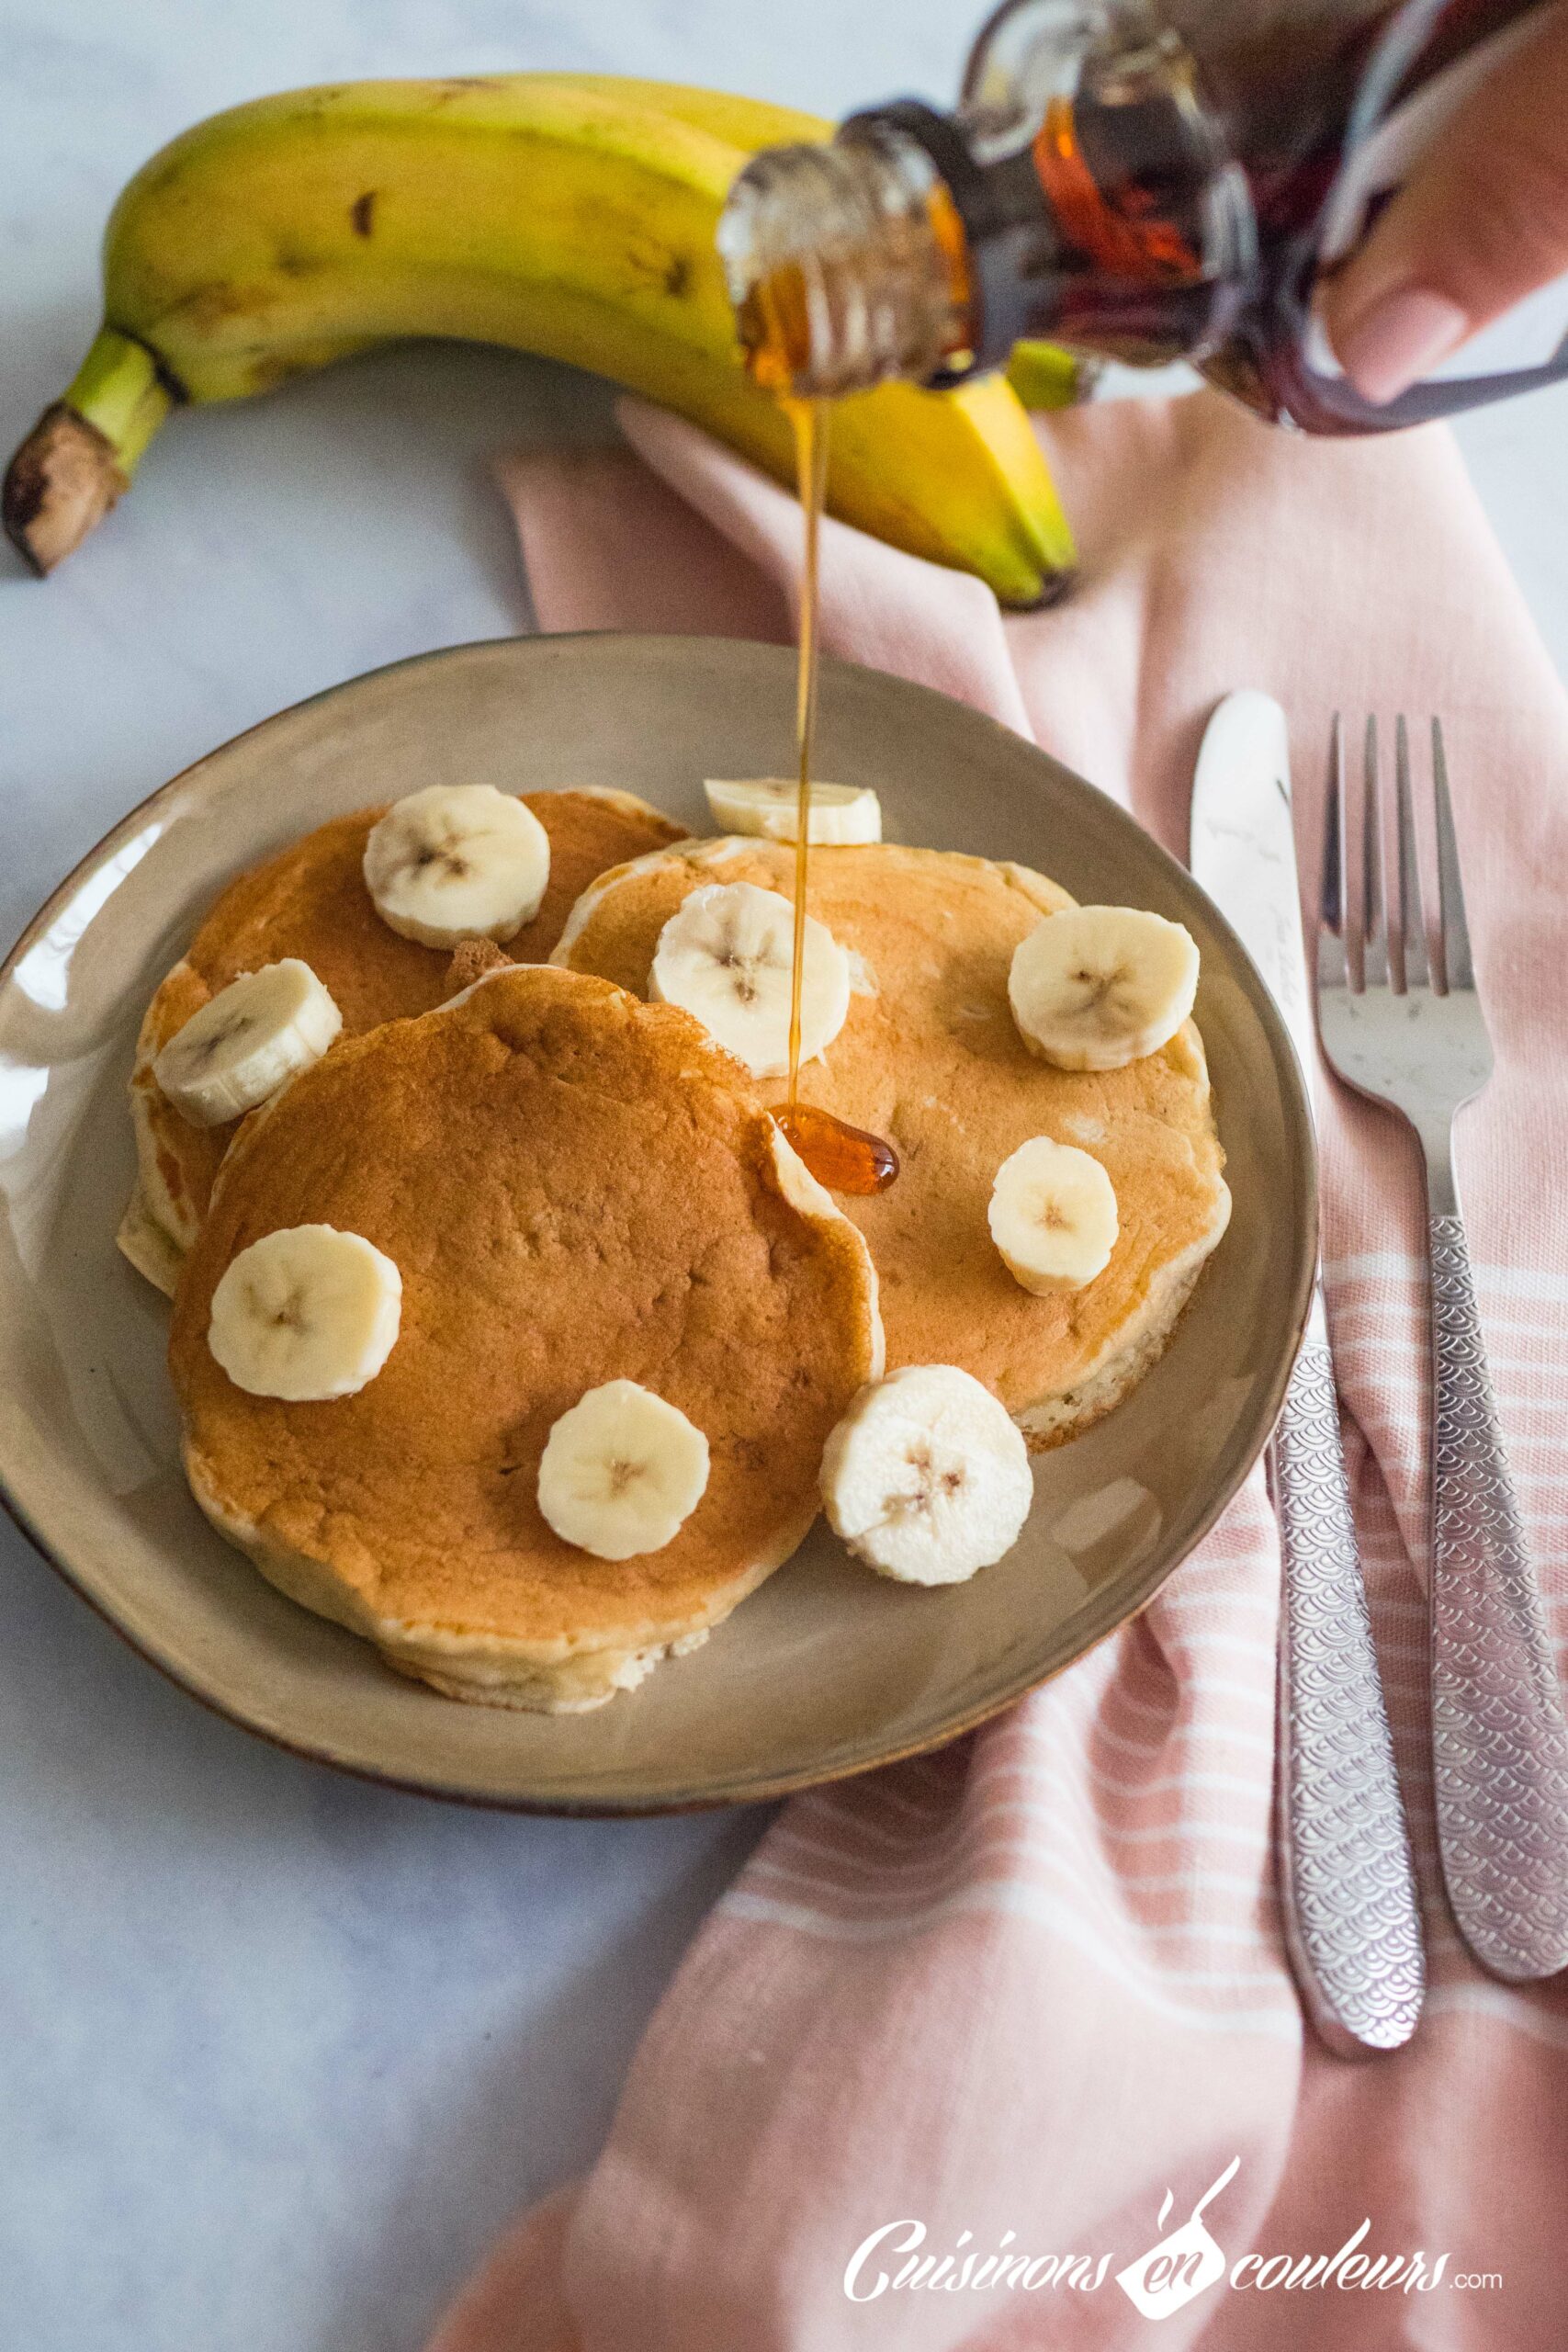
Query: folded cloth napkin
x,y
1010,1994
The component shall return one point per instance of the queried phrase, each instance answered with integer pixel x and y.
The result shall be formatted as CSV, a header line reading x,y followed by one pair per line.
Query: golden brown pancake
x,y
930,1059
575,1188
310,901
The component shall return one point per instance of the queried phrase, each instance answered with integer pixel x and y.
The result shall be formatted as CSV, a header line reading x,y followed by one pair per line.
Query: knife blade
x,y
1351,1916
1243,849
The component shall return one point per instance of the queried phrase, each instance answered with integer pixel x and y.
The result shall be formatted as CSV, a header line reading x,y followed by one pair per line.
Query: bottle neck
x,y
846,264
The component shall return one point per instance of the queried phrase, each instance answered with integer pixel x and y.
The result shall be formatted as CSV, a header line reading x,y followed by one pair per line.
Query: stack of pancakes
x,y
310,901
578,1186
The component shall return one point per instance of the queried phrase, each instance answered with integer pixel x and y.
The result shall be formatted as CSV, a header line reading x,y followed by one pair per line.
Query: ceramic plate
x,y
825,1671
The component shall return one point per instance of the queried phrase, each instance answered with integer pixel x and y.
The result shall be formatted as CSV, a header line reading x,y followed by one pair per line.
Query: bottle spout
x,y
846,265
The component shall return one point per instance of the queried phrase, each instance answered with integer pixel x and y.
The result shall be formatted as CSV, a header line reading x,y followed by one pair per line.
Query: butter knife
x,y
1352,1915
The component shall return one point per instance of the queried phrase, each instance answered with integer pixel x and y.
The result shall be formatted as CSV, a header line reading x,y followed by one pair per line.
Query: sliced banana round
x,y
622,1472
1053,1215
458,860
246,1042
926,1479
306,1313
769,807
726,955
1095,988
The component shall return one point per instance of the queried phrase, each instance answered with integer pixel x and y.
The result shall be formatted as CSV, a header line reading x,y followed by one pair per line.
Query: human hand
x,y
1482,223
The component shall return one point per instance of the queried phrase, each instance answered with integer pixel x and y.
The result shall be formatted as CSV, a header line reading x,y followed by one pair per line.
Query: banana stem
x,y
120,388
83,450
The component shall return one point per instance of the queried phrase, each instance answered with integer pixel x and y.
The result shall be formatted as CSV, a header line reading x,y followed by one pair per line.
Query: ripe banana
x,y
1053,1215
622,1472
727,957
570,215
1095,988
458,860
246,1042
768,807
926,1479
306,1313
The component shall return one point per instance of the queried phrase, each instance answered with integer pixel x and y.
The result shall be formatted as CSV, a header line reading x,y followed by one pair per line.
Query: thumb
x,y
1482,223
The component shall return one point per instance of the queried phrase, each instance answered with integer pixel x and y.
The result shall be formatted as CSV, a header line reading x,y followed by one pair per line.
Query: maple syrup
x,y
809,423
845,1159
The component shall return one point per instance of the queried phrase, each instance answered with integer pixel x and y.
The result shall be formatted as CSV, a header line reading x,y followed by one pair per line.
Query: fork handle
x,y
1352,1921
1499,1740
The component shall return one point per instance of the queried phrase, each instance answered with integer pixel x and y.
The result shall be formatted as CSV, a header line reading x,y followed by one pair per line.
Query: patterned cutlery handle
x,y
1352,1918
1499,1740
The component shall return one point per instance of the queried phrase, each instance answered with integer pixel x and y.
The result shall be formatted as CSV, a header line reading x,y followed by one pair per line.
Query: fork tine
x,y
1375,931
1411,917
1332,969
1454,932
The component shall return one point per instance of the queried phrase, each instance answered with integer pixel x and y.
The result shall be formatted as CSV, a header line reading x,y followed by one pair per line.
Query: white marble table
x,y
280,2051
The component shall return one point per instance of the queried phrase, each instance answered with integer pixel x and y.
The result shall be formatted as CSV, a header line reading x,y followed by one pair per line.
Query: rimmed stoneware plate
x,y
827,1669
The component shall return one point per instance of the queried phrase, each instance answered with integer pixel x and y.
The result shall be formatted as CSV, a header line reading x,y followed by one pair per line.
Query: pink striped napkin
x,y
1007,1997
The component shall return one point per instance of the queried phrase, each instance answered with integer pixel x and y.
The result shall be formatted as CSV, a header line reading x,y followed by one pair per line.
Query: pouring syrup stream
x,y
809,421
845,1159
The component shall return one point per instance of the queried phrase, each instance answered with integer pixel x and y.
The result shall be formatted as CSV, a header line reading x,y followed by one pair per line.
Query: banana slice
x,y
1053,1215
458,860
622,1472
726,955
246,1042
769,807
926,1477
306,1313
1094,988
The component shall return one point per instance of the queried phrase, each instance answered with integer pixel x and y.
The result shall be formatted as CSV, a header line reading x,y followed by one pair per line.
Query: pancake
x,y
310,901
930,1059
575,1188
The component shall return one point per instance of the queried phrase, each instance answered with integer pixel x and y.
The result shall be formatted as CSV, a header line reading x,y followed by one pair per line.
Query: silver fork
x,y
1499,1740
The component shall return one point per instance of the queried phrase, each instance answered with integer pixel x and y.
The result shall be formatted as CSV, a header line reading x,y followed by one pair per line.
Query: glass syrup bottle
x,y
1145,180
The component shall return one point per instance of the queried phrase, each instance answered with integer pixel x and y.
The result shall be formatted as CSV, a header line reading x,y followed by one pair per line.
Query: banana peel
x,y
567,215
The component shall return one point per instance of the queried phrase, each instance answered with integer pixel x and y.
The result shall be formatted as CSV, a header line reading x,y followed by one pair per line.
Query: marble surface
x,y
282,2052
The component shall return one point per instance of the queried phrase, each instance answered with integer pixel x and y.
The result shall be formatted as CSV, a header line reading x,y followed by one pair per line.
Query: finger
x,y
1482,223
